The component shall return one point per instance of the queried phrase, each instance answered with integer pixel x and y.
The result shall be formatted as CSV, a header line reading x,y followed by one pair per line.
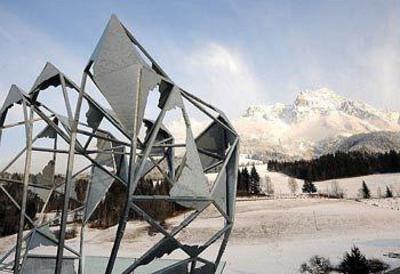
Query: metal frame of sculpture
x,y
124,73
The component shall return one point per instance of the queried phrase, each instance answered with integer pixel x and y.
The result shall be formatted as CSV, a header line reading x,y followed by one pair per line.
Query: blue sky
x,y
232,53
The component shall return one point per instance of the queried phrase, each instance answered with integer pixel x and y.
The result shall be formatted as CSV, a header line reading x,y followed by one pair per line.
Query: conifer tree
x,y
389,193
254,181
354,262
246,180
309,187
366,193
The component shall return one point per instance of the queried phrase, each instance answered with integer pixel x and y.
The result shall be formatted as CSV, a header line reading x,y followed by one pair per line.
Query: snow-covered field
x,y
277,235
274,236
376,183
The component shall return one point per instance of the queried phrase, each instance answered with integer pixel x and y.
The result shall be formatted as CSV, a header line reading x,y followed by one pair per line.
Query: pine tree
x,y
366,193
254,181
240,186
389,193
354,262
309,187
246,180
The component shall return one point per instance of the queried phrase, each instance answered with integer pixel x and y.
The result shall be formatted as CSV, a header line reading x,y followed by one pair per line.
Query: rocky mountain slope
x,y
317,122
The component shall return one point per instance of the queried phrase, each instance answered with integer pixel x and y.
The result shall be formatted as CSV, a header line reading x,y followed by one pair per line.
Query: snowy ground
x,y
351,186
274,236
376,183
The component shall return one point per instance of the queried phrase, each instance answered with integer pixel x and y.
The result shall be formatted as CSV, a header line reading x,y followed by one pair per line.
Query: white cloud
x,y
221,76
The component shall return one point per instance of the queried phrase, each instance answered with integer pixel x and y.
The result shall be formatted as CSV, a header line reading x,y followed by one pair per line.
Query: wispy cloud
x,y
222,76
383,62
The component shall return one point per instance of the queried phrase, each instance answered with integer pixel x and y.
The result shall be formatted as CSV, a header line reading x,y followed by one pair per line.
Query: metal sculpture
x,y
124,73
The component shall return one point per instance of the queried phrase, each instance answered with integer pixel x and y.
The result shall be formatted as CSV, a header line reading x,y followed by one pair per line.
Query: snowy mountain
x,y
317,122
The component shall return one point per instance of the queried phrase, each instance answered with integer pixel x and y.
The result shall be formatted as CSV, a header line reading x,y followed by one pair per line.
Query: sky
x,y
230,53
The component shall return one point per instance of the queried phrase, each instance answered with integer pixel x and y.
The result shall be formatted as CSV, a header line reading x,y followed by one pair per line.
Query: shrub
x,y
352,263
309,187
377,266
316,265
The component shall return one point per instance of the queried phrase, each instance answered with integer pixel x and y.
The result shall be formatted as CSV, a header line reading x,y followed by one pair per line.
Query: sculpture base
x,y
96,265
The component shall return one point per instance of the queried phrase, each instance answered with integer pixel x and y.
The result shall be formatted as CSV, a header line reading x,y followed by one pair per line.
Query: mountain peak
x,y
311,123
321,92
312,103
320,98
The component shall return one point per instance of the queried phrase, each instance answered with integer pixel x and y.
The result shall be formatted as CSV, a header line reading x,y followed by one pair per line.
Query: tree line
x,y
108,211
339,165
106,214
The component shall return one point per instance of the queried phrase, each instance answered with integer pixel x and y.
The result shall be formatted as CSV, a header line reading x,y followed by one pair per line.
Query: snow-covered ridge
x,y
310,125
321,102
315,123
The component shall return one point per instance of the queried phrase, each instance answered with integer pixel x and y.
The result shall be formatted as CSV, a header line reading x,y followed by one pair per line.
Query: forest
x,y
339,165
106,214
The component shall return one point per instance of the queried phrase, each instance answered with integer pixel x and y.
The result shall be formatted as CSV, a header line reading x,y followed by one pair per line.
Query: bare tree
x,y
293,186
379,192
336,190
269,187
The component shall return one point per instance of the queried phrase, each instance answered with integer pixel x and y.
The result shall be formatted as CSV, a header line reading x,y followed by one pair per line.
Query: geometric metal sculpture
x,y
121,146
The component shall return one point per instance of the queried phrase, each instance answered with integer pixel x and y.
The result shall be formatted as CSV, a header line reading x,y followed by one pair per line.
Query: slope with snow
x,y
351,186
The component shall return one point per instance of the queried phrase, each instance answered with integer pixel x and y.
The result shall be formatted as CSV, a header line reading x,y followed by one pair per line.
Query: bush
x,y
309,187
316,265
352,263
377,266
